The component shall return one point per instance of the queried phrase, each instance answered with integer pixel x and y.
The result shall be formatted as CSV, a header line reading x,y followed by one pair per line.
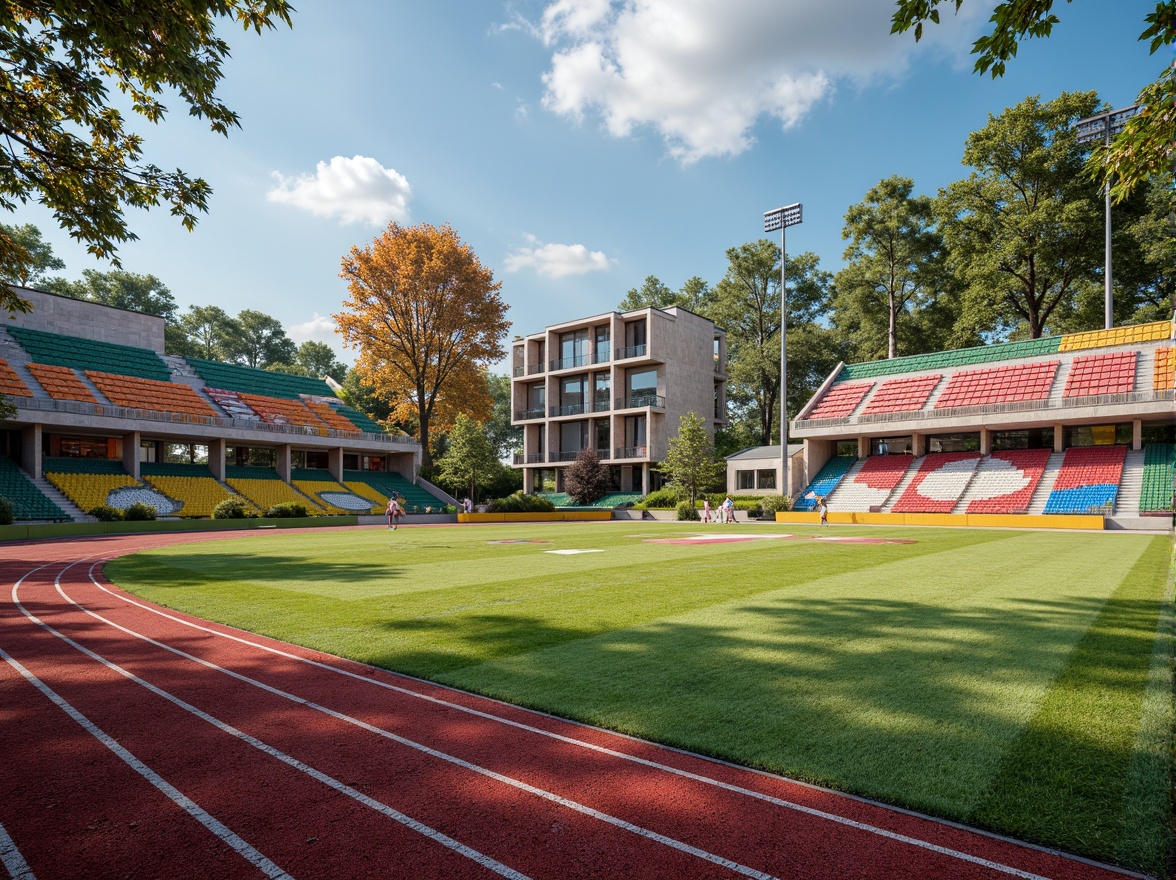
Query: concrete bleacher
x,y
61,383
908,394
1102,374
193,485
136,393
264,488
840,400
413,498
28,502
1006,481
282,410
87,482
869,483
87,354
332,495
1006,384
825,481
938,483
1088,480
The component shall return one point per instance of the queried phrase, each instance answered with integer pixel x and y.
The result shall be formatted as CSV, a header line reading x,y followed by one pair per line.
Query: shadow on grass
x,y
177,571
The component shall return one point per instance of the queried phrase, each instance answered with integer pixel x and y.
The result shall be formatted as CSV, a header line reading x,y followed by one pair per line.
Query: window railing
x,y
525,414
519,458
601,406
536,457
532,369
574,409
654,400
579,360
630,352
633,452
565,456
518,370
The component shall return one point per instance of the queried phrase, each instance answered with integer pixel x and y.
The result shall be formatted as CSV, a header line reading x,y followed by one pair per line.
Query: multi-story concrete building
x,y
618,383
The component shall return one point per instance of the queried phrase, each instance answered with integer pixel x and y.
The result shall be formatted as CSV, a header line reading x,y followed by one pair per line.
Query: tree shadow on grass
x,y
177,570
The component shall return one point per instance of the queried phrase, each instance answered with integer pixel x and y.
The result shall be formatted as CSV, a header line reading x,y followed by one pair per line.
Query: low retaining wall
x,y
989,520
538,516
74,530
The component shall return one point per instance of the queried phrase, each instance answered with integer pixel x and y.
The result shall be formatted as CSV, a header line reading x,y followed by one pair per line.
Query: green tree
x,y
470,460
364,397
746,302
207,331
258,340
503,436
318,360
35,255
1025,229
1144,149
692,295
67,146
691,464
894,266
587,479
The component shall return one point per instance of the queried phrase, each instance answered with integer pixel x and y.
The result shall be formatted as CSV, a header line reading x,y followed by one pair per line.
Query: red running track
x,y
140,742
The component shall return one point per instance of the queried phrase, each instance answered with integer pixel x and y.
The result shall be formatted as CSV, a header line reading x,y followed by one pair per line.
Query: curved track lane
x,y
139,741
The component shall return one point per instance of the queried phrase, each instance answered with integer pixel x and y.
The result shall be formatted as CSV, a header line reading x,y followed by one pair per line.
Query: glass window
x,y
535,396
573,348
571,391
603,393
745,479
635,431
602,345
642,384
635,333
603,437
545,480
765,479
573,436
943,443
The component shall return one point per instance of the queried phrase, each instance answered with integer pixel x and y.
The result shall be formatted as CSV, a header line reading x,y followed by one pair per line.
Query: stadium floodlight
x,y
781,219
1103,127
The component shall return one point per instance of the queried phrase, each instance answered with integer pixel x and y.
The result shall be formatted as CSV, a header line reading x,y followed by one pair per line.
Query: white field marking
x,y
13,861
434,753
331,782
571,552
193,809
518,725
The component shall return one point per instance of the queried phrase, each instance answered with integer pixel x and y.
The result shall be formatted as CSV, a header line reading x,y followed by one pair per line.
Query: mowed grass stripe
x,y
1066,780
905,672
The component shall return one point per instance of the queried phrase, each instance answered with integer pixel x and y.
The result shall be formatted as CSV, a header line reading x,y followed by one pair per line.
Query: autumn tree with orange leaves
x,y
427,319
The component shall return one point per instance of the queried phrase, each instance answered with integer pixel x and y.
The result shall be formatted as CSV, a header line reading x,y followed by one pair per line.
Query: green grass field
x,y
1020,681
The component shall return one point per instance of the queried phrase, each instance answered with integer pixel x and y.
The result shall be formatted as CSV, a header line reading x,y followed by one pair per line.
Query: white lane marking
x,y
419,827
13,861
435,753
174,794
686,774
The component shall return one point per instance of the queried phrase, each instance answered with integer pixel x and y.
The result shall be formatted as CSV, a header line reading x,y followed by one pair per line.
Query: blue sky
x,y
577,145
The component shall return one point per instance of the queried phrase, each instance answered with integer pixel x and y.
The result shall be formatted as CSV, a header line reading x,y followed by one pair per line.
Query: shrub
x,y
663,499
230,508
6,512
687,511
521,503
140,512
587,480
774,503
287,509
105,513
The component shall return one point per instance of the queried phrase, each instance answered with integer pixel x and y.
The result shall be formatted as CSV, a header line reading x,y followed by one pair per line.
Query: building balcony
x,y
574,409
641,452
532,369
633,351
640,401
565,456
530,458
518,370
524,415
600,406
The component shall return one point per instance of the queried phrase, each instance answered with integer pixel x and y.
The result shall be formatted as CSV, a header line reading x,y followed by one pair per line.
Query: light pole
x,y
782,218
1103,127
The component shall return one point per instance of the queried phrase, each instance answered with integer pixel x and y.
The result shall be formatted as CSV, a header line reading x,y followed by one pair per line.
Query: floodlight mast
x,y
781,219
1103,127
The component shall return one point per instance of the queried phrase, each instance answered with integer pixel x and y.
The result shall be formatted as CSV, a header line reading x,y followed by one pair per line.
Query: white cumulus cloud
x,y
556,260
356,190
320,328
702,73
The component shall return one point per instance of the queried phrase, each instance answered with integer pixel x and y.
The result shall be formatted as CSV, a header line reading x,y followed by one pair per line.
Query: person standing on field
x,y
394,512
823,510
706,510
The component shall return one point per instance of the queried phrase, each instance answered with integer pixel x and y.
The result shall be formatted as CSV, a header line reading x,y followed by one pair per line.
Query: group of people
x,y
724,514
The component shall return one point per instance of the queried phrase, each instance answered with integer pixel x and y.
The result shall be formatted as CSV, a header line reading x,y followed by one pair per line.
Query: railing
x,y
580,360
565,456
518,370
633,452
534,368
536,457
655,400
631,352
601,406
522,415
519,458
77,407
992,409
574,409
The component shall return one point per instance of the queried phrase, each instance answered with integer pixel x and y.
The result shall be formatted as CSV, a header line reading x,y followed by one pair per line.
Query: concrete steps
x,y
1130,485
1041,496
906,480
61,500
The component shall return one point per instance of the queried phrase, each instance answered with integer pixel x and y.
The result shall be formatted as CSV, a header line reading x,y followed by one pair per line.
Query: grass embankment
x,y
1008,679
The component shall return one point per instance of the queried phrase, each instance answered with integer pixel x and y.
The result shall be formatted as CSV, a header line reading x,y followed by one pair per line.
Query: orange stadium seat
x,y
1164,371
61,383
10,383
136,393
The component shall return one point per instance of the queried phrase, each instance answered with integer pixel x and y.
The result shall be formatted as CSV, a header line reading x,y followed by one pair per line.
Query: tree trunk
x,y
892,333
426,456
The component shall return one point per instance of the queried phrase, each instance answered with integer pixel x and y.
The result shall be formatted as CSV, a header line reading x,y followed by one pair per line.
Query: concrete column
x,y
216,458
1059,438
335,463
528,480
863,447
282,461
918,445
816,455
130,457
985,441
645,477
30,449
161,450
1137,434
